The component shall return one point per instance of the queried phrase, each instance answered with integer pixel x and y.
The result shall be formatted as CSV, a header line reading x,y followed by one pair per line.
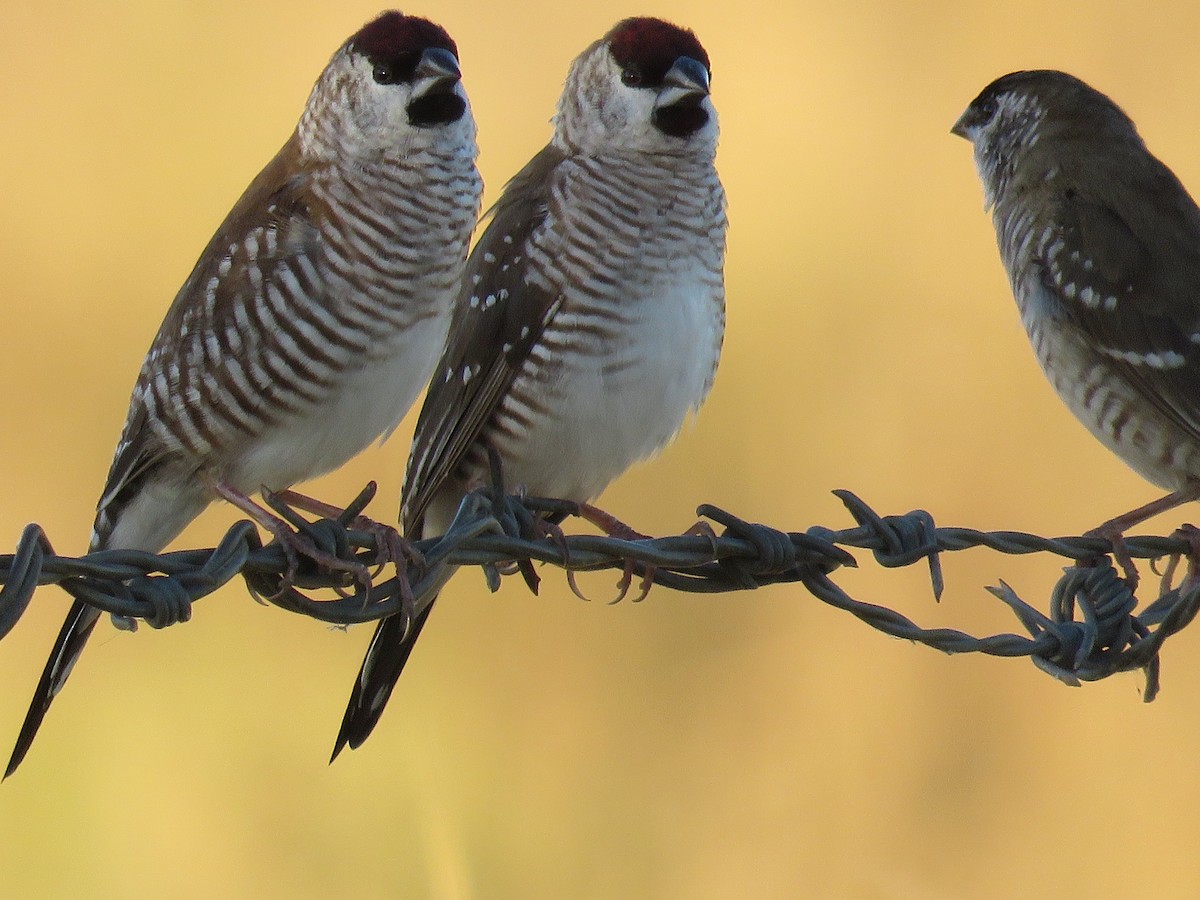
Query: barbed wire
x,y
1093,628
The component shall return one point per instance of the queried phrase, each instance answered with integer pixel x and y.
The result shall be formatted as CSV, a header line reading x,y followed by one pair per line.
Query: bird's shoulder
x,y
275,222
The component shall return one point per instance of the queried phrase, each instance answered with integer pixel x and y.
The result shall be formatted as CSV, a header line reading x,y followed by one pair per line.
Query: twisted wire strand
x,y
1092,630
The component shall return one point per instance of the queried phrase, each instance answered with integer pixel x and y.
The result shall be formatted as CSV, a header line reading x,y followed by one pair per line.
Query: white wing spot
x,y
1167,360
210,292
489,256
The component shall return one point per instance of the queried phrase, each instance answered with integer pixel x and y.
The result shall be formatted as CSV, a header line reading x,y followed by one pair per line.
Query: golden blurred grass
x,y
754,745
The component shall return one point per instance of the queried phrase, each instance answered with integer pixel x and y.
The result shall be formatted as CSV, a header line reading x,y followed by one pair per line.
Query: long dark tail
x,y
381,668
71,641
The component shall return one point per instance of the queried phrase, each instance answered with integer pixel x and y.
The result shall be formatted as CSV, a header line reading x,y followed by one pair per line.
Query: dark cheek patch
x,y
681,119
436,109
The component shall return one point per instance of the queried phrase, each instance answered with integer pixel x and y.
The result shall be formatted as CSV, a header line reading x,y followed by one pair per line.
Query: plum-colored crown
x,y
653,45
394,35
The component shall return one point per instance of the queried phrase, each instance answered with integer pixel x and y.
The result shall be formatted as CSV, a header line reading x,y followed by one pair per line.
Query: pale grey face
x,y
365,109
600,112
1002,126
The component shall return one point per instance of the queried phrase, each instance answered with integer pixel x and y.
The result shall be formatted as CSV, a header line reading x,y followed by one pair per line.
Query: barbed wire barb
x,y
1092,628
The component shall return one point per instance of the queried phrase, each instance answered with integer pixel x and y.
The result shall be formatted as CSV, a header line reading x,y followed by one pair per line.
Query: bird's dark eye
x,y
383,74
631,76
987,109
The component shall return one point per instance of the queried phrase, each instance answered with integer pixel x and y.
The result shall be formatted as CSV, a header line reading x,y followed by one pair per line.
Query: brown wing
x,y
1128,280
268,230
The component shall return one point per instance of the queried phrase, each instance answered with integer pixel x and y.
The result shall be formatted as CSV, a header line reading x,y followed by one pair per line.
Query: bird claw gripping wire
x,y
518,518
323,546
613,527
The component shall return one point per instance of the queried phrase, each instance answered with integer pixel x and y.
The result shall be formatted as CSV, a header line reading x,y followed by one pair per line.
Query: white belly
x,y
604,417
365,406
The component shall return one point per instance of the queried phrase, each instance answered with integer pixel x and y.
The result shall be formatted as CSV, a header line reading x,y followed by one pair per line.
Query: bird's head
x,y
395,84
1036,122
643,87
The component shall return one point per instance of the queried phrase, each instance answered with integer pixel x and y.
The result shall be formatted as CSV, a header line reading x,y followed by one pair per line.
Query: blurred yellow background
x,y
752,745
